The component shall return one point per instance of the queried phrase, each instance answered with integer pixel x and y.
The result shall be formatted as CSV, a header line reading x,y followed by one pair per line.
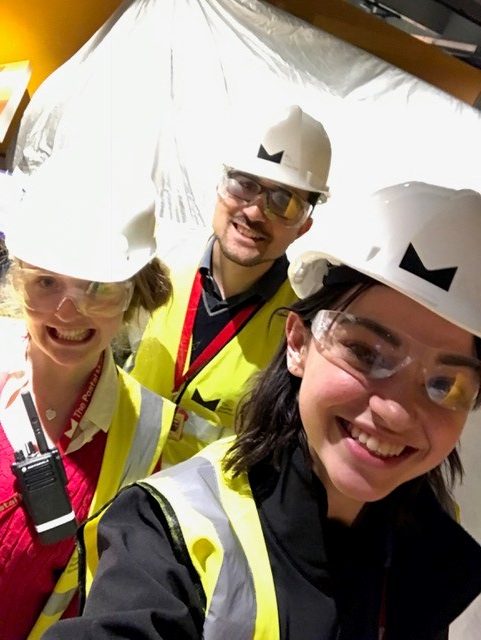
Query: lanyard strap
x,y
82,403
381,629
221,339
15,421
85,396
79,409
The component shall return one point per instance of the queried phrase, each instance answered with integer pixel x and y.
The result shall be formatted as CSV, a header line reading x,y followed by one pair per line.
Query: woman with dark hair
x,y
329,515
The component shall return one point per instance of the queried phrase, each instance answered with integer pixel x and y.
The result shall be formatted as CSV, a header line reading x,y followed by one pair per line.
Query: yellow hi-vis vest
x,y
213,392
223,536
138,431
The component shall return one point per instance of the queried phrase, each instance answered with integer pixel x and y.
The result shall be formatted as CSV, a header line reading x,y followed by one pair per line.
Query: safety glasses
x,y
279,203
45,291
365,348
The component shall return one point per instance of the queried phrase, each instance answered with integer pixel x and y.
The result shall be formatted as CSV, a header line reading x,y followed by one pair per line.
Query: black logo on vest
x,y
208,404
275,157
412,263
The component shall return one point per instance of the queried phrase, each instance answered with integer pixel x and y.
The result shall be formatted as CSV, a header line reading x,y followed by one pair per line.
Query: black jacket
x,y
330,579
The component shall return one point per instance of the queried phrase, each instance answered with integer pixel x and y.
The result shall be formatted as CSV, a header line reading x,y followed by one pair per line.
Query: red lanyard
x,y
85,396
79,409
383,608
221,339
381,629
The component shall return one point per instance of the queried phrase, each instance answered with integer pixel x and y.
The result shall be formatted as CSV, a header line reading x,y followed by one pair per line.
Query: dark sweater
x,y
329,578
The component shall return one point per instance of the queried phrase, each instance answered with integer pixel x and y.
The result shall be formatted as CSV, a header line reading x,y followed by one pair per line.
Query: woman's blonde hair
x,y
152,289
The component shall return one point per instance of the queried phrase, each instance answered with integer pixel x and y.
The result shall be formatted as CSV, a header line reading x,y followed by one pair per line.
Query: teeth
x,y
244,231
355,432
75,335
363,437
386,449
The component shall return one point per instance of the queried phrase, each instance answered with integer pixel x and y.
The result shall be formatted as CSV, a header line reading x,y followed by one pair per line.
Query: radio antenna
x,y
34,421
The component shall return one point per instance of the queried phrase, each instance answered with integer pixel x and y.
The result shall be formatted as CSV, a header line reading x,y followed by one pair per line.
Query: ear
x,y
296,336
304,228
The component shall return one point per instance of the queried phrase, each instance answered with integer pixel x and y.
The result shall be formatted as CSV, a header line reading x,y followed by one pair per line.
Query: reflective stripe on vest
x,y
146,438
142,421
205,431
223,535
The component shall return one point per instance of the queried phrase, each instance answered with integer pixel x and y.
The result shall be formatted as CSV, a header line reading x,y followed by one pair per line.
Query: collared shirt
x,y
265,287
13,377
215,311
98,415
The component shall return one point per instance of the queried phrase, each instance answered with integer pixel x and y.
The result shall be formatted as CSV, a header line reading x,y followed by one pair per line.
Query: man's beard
x,y
242,262
233,257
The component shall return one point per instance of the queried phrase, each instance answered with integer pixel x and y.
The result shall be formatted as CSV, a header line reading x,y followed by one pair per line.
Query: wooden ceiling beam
x,y
425,61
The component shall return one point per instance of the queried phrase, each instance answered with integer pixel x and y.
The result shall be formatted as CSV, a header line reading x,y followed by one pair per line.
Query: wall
x,y
48,32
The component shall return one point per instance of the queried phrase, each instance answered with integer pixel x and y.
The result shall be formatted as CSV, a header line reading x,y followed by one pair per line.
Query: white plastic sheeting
x,y
152,86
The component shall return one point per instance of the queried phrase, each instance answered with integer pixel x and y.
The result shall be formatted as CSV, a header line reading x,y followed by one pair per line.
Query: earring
x,y
295,355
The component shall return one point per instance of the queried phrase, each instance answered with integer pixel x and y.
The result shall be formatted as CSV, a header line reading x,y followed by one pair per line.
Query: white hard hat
x,y
92,225
420,239
292,148
10,192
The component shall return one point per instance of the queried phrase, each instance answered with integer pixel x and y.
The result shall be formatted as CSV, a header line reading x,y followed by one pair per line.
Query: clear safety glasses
x,y
279,204
45,291
363,347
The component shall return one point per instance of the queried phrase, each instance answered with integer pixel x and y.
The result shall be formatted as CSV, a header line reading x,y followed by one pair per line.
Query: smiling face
x,y
67,336
246,236
367,437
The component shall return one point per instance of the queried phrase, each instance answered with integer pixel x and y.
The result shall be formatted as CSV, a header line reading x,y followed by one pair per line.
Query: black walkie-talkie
x,y
42,481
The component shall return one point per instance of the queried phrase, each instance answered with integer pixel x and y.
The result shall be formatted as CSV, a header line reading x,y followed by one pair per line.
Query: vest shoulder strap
x,y
222,533
138,431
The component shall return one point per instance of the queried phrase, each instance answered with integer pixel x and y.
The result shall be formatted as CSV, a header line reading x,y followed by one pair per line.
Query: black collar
x,y
435,567
264,288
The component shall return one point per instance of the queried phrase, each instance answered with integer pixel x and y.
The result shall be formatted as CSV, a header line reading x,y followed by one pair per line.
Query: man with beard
x,y
221,326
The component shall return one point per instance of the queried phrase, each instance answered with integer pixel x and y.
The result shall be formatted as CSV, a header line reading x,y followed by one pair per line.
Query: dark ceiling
x,y
453,25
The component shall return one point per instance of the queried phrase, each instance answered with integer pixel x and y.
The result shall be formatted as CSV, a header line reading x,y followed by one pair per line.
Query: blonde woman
x,y
82,254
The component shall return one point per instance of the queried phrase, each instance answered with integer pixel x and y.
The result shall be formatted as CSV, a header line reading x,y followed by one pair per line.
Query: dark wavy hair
x,y
268,420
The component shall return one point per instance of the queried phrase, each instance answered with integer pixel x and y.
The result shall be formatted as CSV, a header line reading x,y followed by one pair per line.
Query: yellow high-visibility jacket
x,y
215,390
222,533
137,433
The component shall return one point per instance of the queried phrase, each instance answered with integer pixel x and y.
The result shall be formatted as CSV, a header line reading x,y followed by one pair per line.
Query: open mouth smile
x,y
248,233
70,335
375,444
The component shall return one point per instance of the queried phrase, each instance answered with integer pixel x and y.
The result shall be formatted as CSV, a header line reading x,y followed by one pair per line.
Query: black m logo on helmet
x,y
441,278
275,157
